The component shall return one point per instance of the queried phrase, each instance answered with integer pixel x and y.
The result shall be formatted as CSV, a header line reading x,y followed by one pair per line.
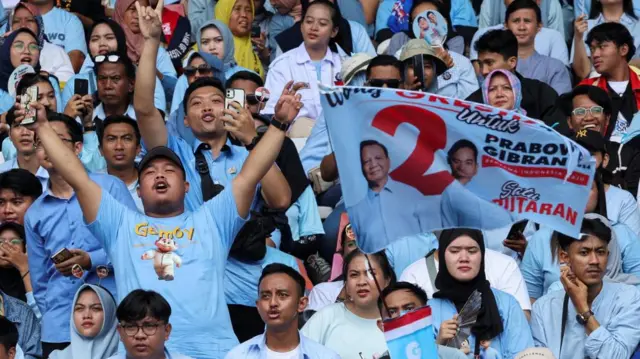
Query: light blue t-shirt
x,y
65,29
183,258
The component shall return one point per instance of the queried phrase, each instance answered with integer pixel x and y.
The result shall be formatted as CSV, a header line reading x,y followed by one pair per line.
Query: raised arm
x,y
66,163
150,121
265,153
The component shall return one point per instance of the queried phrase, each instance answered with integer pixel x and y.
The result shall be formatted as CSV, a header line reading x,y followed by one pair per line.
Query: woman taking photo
x,y
350,328
501,324
315,60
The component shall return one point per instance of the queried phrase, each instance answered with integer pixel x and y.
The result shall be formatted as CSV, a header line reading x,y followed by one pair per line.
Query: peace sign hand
x,y
150,20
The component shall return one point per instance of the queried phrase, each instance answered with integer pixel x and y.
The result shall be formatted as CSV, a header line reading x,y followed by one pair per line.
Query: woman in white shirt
x,y
315,60
350,328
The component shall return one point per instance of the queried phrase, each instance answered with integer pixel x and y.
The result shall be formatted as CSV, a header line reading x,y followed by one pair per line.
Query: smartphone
x,y
233,95
81,87
27,100
517,228
255,31
418,70
61,256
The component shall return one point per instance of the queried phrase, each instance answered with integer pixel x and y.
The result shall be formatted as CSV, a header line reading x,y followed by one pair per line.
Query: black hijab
x,y
6,67
10,279
489,323
117,32
292,37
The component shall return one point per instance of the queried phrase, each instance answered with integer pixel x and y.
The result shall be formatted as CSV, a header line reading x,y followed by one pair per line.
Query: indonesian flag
x,y
411,336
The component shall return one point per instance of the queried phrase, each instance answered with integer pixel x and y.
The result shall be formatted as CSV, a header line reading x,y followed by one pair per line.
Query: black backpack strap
x,y
565,313
431,268
209,189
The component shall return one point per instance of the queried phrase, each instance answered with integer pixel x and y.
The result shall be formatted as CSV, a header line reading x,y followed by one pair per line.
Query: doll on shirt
x,y
163,258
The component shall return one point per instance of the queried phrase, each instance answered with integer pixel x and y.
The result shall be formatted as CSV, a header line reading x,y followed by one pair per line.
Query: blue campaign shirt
x,y
52,224
256,348
540,271
630,23
516,335
462,14
6,101
380,218
303,215
460,81
65,30
546,69
41,174
317,145
584,7
615,308
183,258
403,252
462,207
222,169
241,278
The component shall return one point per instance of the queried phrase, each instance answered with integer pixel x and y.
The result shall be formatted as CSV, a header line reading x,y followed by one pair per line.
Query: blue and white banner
x,y
413,162
411,336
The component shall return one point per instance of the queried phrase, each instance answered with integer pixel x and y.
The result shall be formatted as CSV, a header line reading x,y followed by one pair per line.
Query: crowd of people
x,y
145,215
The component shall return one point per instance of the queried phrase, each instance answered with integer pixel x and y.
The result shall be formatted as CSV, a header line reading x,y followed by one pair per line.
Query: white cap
x,y
535,353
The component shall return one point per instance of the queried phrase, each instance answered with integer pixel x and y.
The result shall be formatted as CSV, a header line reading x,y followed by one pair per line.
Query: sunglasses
x,y
203,69
252,100
391,83
109,58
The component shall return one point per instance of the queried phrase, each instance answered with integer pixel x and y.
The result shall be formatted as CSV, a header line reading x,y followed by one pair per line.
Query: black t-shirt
x,y
92,9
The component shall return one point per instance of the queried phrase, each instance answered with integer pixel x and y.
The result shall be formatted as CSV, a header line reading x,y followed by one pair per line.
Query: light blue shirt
x,y
403,252
462,13
493,12
461,207
317,145
460,81
188,270
584,7
516,335
41,174
540,271
630,23
545,43
546,69
6,101
52,224
65,30
241,278
256,348
616,309
303,215
167,354
623,208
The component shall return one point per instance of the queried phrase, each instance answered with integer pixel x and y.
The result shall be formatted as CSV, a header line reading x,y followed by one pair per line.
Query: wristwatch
x,y
279,125
584,317
253,144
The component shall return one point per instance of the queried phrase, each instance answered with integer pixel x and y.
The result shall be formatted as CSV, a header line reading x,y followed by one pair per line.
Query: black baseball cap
x,y
592,140
160,152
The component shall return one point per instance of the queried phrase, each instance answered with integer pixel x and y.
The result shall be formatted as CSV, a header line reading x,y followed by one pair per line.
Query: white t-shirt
x,y
324,294
293,354
501,270
347,334
54,60
621,122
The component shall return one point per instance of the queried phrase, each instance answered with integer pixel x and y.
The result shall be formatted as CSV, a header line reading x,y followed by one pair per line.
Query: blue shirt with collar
x,y
42,175
65,30
546,69
167,355
52,224
28,325
256,348
460,81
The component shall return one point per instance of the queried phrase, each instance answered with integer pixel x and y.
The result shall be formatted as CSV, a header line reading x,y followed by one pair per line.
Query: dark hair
x,y
117,31
414,289
498,41
443,7
343,237
201,82
73,128
336,19
21,182
595,94
366,143
596,9
244,75
19,229
385,60
614,32
422,18
112,120
593,227
379,257
8,333
129,68
142,303
523,5
460,145
279,268
29,80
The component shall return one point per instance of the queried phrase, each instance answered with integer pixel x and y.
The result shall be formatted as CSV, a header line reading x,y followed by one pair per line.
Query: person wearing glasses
x,y
385,71
143,326
116,78
16,295
587,108
55,221
19,47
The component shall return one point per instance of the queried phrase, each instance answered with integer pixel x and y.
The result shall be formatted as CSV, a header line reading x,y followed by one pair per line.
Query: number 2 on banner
x,y
432,136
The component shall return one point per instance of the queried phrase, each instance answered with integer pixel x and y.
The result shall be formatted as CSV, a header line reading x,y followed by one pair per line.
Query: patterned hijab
x,y
515,85
36,14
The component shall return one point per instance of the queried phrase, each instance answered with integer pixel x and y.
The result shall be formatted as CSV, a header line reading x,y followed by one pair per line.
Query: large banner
x,y
413,162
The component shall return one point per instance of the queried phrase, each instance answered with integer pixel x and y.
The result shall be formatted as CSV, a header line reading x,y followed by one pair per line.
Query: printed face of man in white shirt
x,y
375,164
464,164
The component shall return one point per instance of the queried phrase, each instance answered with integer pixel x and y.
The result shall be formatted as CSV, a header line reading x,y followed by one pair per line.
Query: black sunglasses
x,y
203,69
252,99
391,83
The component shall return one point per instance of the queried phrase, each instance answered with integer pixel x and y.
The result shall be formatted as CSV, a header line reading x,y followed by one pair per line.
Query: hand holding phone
x,y
61,256
234,95
26,101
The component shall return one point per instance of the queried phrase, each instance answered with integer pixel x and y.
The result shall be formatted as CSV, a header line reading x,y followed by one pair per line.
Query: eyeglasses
x,y
13,241
582,111
147,328
203,69
109,58
20,46
252,99
391,83
38,144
